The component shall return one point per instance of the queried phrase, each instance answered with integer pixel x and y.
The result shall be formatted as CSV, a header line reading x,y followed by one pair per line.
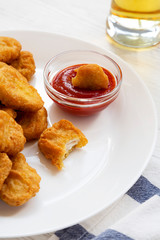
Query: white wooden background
x,y
86,20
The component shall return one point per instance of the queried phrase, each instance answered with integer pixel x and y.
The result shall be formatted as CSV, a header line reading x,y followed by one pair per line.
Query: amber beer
x,y
134,23
138,9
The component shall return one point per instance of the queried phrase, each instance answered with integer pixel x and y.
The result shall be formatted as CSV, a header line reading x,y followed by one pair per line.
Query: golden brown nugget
x,y
16,190
59,140
90,76
12,139
33,123
5,167
15,91
8,110
25,64
22,183
20,164
9,49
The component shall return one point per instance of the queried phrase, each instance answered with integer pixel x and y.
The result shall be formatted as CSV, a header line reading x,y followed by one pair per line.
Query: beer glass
x,y
134,23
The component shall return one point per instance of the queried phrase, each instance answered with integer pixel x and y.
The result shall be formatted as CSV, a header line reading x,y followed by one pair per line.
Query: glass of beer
x,y
134,23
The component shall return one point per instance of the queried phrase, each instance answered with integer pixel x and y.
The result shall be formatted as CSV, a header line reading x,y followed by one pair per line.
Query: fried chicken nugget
x,y
33,123
22,183
9,49
90,76
25,64
15,91
59,140
8,110
12,139
5,167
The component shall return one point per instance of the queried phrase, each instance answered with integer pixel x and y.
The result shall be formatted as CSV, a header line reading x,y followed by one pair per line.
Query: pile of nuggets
x,y
23,117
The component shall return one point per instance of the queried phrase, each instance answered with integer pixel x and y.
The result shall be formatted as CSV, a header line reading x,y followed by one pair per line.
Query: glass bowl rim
x,y
76,99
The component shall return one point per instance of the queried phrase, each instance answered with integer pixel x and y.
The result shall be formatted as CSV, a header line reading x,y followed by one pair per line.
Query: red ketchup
x,y
62,82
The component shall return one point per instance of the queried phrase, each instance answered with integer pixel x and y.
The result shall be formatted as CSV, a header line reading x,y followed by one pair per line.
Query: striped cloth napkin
x,y
135,216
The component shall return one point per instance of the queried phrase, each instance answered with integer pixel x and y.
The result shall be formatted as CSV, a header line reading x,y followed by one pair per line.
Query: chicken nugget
x,y
22,183
33,123
9,49
8,110
90,76
16,91
5,167
12,139
16,190
59,140
25,64
20,164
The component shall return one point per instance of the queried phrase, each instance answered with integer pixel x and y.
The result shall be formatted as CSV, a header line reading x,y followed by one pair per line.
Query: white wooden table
x,y
86,20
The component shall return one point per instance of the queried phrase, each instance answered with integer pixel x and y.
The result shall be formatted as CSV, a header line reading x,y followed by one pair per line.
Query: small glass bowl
x,y
81,106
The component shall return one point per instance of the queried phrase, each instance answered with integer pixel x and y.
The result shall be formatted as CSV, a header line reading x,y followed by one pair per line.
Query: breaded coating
x,y
8,110
5,167
9,49
90,76
59,140
15,91
22,183
12,139
25,64
33,123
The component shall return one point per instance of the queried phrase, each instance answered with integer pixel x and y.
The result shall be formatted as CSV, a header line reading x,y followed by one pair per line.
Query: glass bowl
x,y
76,105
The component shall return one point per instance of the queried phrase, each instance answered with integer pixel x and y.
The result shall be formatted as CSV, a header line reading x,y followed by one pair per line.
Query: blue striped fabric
x,y
112,235
141,191
75,232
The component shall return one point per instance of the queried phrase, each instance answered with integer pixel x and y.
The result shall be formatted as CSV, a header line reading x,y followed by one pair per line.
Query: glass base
x,y
133,32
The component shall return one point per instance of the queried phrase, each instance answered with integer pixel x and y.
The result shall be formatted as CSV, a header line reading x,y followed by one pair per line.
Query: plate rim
x,y
151,147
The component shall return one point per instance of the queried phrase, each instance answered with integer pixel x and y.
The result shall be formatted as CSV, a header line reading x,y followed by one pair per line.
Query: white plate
x,y
121,140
